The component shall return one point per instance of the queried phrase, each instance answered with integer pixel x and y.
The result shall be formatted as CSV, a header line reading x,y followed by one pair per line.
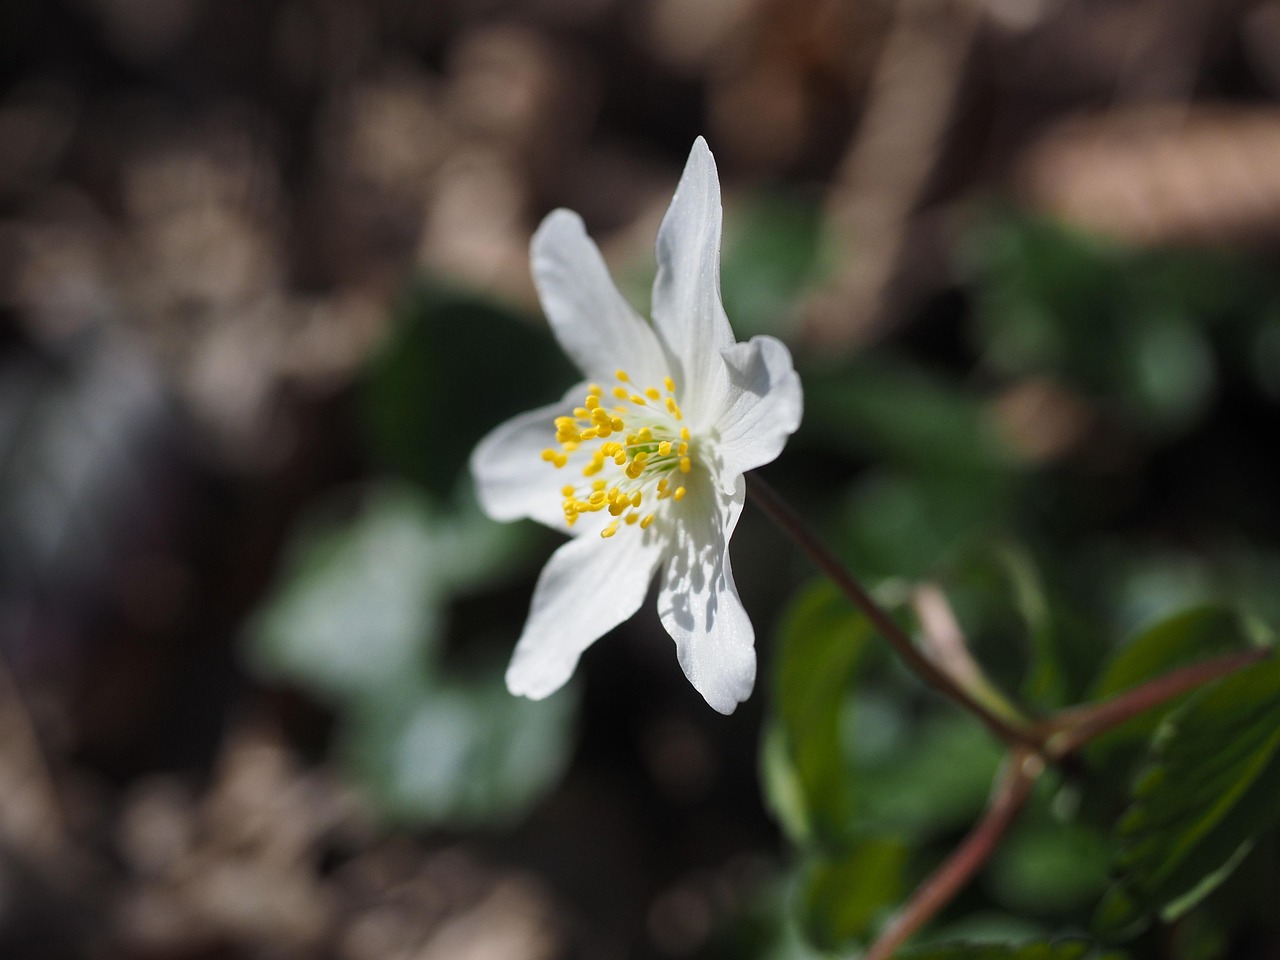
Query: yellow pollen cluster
x,y
642,438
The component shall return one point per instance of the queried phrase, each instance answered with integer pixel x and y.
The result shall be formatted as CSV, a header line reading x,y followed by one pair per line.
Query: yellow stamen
x,y
594,390
609,531
679,494
622,375
664,448
653,394
674,408
646,521
670,384
632,517
620,393
591,402
685,464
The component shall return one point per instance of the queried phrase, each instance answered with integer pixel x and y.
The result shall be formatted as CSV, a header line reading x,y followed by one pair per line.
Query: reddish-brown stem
x,y
1021,771
1072,729
791,524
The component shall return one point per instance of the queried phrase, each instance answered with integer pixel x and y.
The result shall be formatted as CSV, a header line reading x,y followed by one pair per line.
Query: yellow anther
x,y
679,494
641,456
617,507
645,435
664,448
662,485
603,430
634,470
635,499
589,434
622,375
610,448
620,393
597,496
684,433
638,400
682,449
591,402
591,469
609,531
620,458
685,464
594,390
617,424
646,521
632,518
600,415
563,422
669,384
569,445
550,455
571,519
653,394
599,484
674,408
582,413
566,490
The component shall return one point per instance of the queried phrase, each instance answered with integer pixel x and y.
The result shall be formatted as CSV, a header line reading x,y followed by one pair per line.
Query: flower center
x,y
639,449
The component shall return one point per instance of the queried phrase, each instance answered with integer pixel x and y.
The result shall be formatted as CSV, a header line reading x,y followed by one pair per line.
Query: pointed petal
x,y
699,605
687,310
588,587
762,407
597,328
512,480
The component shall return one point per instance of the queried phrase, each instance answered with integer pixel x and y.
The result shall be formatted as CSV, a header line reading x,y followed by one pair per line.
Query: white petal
x,y
511,478
588,587
597,328
687,310
699,603
762,406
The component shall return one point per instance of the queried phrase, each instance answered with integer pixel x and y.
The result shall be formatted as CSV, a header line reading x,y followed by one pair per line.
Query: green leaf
x,y
361,600
459,752
937,778
1058,950
842,899
1211,786
1177,641
821,641
423,409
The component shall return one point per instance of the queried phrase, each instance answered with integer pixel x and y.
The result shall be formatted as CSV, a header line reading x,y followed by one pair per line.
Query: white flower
x,y
643,462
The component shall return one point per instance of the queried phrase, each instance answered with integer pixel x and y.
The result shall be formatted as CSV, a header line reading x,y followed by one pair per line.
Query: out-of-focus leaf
x,y
1059,950
901,415
1048,868
1212,784
770,248
821,641
361,602
938,779
842,898
424,407
461,752
1166,645
1121,324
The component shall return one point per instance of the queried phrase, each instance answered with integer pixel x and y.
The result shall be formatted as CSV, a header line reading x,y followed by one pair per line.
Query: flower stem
x,y
1021,771
789,522
1071,729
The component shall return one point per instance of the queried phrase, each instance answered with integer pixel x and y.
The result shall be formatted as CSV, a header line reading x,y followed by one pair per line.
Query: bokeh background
x,y
264,283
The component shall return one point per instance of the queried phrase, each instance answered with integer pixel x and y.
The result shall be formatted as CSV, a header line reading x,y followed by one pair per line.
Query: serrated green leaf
x,y
842,899
821,641
1177,641
1211,786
